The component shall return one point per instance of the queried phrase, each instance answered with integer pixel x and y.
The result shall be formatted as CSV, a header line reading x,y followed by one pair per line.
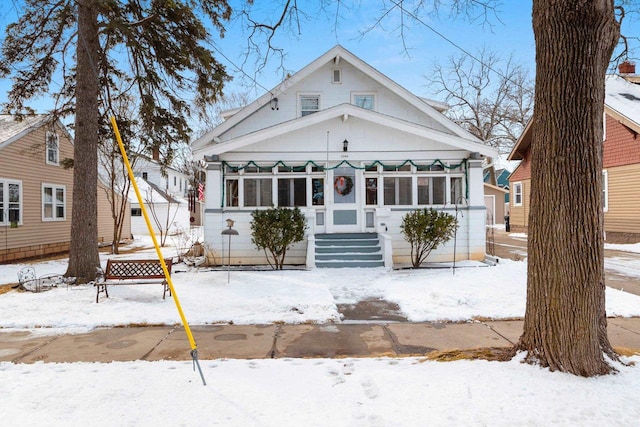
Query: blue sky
x,y
510,34
382,48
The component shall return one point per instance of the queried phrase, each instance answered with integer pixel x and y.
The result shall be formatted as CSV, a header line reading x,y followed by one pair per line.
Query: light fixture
x,y
345,145
274,104
229,232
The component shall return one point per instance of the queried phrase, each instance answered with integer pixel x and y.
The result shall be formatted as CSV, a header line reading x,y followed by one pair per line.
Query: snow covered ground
x,y
300,392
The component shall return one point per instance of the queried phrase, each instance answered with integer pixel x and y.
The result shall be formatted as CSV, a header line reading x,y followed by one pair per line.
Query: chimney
x,y
627,67
155,155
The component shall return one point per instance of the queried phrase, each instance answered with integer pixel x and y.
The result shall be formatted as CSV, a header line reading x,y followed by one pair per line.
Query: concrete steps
x,y
348,250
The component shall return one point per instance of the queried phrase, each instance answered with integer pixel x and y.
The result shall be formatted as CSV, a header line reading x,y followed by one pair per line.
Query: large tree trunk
x,y
565,321
83,255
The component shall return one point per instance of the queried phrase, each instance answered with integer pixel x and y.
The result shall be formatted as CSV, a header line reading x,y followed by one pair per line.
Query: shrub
x,y
275,230
425,230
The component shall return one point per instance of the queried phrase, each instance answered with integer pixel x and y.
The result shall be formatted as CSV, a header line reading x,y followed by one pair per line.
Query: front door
x,y
345,216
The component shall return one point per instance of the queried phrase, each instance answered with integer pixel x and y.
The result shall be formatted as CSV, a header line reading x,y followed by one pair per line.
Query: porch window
x,y
456,190
309,104
231,193
53,203
432,190
397,191
257,192
317,191
10,202
292,192
517,194
372,191
52,148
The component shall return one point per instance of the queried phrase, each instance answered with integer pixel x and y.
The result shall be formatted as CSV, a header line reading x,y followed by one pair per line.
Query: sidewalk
x,y
278,341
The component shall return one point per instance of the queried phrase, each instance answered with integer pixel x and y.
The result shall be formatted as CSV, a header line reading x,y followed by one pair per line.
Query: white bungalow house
x,y
355,152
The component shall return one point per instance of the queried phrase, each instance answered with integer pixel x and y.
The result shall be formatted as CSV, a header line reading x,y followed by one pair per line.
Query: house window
x,y
372,191
336,75
53,202
517,194
292,192
232,192
175,181
432,190
397,191
317,191
456,190
136,212
605,191
257,192
52,148
364,100
309,104
10,202
144,175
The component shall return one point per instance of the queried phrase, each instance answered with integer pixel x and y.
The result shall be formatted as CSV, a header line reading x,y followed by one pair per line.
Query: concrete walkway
x,y
278,341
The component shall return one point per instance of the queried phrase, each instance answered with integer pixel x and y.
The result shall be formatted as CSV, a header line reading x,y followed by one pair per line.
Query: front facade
x,y
621,165
36,190
354,151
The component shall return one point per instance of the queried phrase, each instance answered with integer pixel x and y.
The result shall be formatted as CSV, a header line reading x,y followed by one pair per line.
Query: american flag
x,y
200,192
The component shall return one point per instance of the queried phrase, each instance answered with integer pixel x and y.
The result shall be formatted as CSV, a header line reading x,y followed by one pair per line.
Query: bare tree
x,y
163,220
490,97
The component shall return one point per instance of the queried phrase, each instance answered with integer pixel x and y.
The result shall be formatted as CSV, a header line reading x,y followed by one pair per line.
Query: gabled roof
x,y
621,101
344,111
12,130
337,53
153,193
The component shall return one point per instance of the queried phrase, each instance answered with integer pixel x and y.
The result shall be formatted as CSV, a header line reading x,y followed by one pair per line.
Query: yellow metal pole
x,y
167,276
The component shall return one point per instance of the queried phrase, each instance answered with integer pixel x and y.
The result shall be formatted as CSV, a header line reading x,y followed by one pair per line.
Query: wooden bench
x,y
133,272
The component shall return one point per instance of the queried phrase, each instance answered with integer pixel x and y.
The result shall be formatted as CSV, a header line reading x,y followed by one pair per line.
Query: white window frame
x,y
54,202
50,136
517,191
4,219
373,95
605,190
302,95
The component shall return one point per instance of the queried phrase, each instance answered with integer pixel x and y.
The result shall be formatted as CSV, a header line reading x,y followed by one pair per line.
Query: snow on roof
x,y
623,97
10,128
151,193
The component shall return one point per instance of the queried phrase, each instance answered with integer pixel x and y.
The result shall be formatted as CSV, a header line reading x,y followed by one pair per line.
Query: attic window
x,y
364,100
309,104
52,148
336,75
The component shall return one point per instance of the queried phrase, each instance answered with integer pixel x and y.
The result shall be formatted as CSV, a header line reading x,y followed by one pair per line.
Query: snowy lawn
x,y
301,392
289,296
314,392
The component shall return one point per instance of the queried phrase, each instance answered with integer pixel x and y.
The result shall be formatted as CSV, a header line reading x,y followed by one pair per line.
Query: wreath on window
x,y
343,185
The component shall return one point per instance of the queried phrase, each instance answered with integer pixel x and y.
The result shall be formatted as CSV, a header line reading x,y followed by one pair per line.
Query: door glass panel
x,y
344,188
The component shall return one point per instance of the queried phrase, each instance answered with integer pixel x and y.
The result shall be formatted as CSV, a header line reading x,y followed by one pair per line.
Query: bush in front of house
x,y
425,230
275,230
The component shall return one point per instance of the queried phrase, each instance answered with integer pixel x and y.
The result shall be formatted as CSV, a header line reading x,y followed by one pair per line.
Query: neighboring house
x,y
355,152
168,179
172,183
166,211
36,190
621,164
496,194
494,201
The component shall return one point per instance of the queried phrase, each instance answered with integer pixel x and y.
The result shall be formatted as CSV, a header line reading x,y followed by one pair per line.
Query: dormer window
x,y
364,100
52,148
309,104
